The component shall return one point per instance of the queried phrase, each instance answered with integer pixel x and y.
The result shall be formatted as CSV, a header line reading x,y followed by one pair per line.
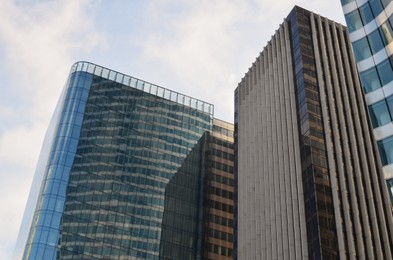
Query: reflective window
x,y
376,6
375,41
370,80
344,2
385,147
353,21
389,101
385,72
390,188
385,3
361,49
386,32
366,14
379,114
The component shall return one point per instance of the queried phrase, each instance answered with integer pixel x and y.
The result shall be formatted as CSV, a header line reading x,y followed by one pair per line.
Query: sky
x,y
201,48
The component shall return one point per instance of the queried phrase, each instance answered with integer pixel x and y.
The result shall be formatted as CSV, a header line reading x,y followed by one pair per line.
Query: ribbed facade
x,y
370,25
310,185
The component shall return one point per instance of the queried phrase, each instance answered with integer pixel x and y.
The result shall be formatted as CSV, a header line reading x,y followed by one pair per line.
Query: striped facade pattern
x,y
273,218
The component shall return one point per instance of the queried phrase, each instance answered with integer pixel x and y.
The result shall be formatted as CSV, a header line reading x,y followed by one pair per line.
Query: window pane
x,y
366,14
389,100
385,72
386,150
376,6
379,114
386,32
386,2
375,41
370,80
361,49
344,2
353,21
390,188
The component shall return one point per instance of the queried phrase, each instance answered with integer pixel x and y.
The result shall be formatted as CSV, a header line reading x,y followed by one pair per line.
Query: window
x,y
385,3
386,32
370,80
344,2
375,41
385,72
379,114
353,21
376,6
385,148
361,49
366,14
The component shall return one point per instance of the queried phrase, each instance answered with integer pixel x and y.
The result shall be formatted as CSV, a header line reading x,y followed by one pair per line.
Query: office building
x,y
123,172
309,181
370,26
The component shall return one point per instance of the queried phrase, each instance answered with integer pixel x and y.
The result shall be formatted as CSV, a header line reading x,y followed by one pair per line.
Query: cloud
x,y
39,41
207,46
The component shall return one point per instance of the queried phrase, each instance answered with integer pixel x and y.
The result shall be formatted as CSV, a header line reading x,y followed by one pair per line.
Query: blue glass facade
x,y
370,26
119,142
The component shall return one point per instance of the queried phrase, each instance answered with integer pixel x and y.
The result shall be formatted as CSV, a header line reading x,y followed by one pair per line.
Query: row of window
x,y
222,167
220,250
222,179
376,77
374,42
221,193
222,154
221,235
221,206
364,14
221,220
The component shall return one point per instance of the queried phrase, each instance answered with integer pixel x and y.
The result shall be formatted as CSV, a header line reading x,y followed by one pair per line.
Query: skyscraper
x,y
370,26
310,185
123,172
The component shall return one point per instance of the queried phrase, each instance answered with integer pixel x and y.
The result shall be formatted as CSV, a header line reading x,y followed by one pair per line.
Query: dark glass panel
x,y
370,80
379,114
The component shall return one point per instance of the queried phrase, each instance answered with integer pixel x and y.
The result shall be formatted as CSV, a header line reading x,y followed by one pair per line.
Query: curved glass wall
x,y
373,53
119,141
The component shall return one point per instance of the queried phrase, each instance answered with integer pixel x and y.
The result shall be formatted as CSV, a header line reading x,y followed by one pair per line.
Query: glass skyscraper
x,y
121,172
309,181
370,26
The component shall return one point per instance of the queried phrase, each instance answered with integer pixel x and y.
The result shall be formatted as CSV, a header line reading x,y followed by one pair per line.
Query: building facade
x,y
122,172
370,26
309,181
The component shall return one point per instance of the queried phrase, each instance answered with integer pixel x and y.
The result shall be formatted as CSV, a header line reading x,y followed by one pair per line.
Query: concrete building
x,y
370,26
310,184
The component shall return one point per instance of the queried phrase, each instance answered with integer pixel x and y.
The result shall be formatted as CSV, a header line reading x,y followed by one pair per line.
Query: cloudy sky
x,y
201,48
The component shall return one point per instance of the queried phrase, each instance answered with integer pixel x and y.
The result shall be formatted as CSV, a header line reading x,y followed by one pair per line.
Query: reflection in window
x,y
387,33
344,2
361,49
370,80
366,14
375,41
353,21
385,72
385,148
389,100
386,2
379,114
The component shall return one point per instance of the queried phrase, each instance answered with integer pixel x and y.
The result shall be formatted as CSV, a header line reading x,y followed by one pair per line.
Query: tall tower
x,y
121,175
310,185
370,26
